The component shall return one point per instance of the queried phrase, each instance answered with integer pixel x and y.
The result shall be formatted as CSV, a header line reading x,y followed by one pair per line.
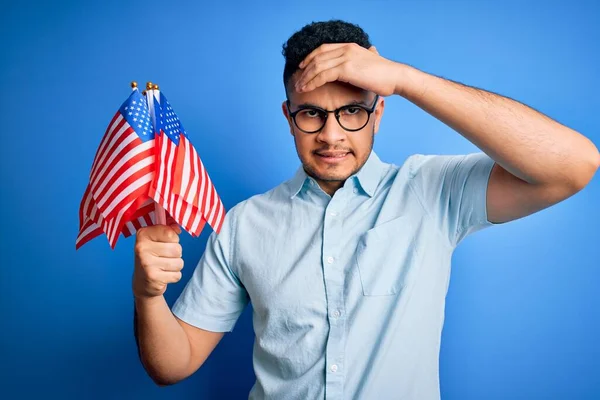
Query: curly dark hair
x,y
311,36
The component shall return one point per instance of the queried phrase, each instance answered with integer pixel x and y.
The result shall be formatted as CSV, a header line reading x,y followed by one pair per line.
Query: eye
x,y
352,110
310,113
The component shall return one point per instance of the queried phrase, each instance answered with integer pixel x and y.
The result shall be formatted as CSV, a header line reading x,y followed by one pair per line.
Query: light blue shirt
x,y
347,291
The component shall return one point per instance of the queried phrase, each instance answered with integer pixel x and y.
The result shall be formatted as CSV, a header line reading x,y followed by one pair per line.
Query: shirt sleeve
x,y
453,189
214,298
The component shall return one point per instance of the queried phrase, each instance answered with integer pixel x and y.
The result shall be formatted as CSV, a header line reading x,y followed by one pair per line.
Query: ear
x,y
378,113
287,117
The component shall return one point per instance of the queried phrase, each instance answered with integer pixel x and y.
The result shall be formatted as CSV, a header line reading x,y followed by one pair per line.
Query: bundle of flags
x,y
146,172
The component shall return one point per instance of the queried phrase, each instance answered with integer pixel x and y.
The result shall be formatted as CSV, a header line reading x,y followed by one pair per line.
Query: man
x,y
347,263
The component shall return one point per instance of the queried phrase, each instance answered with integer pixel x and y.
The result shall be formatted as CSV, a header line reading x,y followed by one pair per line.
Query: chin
x,y
335,172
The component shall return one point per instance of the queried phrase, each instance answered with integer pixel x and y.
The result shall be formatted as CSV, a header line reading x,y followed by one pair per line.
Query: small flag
x,y
146,172
121,175
181,184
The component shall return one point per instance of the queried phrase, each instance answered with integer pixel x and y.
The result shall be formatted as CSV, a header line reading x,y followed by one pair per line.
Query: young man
x,y
347,263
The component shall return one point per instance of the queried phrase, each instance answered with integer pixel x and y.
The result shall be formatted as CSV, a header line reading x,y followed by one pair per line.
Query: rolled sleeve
x,y
214,297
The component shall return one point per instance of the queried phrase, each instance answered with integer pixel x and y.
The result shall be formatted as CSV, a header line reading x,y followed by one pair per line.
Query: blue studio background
x,y
523,317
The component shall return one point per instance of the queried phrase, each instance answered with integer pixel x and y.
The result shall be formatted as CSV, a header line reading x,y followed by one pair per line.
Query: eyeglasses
x,y
351,117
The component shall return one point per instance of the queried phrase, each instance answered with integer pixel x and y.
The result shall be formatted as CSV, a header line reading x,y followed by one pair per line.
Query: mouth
x,y
332,156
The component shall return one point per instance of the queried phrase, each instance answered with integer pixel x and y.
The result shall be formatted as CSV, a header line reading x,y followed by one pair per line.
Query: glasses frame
x,y
335,112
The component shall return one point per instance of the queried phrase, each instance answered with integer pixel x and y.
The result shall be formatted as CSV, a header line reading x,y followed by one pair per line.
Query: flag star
x,y
133,102
129,113
139,126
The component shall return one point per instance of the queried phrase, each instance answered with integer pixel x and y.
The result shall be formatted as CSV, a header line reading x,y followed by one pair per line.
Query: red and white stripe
x,y
120,178
182,185
94,225
123,169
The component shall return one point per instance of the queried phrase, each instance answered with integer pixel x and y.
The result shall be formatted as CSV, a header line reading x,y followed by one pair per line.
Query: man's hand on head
x,y
351,63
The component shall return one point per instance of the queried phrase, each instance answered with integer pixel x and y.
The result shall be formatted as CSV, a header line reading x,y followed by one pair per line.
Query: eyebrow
x,y
352,103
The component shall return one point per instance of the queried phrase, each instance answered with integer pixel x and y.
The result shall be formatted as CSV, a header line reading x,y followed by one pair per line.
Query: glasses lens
x,y
353,118
310,120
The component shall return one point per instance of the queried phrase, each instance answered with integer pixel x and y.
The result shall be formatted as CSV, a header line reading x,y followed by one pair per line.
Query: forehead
x,y
330,95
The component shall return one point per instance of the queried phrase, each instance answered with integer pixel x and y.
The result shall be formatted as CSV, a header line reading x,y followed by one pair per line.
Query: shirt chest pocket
x,y
385,257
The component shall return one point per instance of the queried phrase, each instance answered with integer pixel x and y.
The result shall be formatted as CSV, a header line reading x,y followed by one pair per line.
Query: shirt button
x,y
336,314
355,190
330,260
333,368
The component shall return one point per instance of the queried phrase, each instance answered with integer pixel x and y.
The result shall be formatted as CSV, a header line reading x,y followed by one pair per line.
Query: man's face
x,y
333,154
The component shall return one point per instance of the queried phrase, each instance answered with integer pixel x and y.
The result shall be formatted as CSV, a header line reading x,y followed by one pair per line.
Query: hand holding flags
x,y
146,166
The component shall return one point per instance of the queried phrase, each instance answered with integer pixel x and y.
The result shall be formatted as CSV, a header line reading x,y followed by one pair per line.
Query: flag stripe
x,y
108,138
134,152
120,182
121,133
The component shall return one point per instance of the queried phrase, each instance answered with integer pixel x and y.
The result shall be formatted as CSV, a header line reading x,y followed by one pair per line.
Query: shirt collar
x,y
298,181
368,176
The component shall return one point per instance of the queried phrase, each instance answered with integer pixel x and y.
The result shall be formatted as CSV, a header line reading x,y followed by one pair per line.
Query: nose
x,y
331,132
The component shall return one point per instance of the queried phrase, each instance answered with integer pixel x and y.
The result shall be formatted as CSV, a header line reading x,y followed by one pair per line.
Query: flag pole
x,y
150,92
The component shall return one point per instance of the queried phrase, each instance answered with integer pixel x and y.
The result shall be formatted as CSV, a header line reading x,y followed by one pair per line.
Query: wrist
x,y
142,301
408,80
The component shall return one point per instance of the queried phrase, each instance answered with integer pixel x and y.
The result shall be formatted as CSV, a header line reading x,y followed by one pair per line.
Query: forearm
x,y
163,346
523,141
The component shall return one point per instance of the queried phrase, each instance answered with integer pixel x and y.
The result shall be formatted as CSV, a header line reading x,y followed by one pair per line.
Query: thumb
x,y
159,233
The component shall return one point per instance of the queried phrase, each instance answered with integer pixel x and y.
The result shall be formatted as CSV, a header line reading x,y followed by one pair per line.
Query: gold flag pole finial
x,y
149,86
134,85
155,86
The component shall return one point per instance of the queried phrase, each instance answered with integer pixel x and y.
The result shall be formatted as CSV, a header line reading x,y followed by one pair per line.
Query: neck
x,y
330,187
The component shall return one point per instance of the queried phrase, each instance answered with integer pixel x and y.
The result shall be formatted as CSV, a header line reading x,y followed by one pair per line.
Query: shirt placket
x,y
333,272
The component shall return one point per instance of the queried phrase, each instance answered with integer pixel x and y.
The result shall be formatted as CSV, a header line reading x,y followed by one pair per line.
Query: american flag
x,y
181,184
116,199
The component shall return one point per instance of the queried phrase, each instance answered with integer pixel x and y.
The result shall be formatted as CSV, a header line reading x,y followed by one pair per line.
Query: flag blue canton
x,y
170,122
135,110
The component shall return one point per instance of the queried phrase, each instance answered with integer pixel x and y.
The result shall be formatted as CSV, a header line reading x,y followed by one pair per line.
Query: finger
x,y
321,58
167,276
170,264
176,228
174,277
329,75
321,49
318,68
159,233
166,250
